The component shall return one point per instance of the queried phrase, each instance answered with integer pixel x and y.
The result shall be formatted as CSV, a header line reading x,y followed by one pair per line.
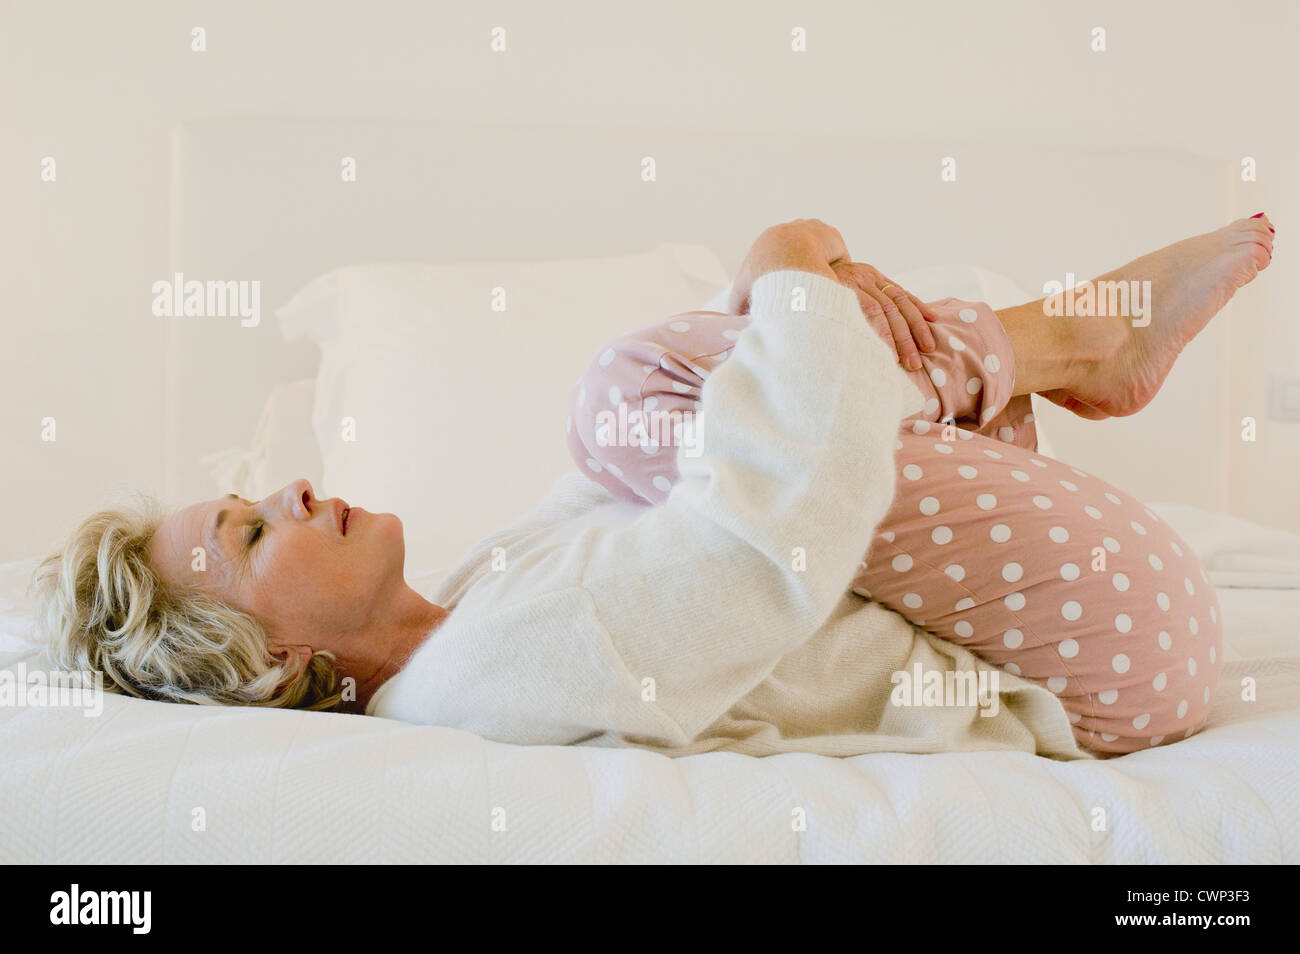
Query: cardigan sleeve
x,y
790,471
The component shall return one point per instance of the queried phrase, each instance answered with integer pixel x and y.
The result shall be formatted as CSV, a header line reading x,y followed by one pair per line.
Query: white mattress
x,y
278,786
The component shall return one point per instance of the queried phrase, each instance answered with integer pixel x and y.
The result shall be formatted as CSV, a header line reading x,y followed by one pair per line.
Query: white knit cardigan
x,y
722,618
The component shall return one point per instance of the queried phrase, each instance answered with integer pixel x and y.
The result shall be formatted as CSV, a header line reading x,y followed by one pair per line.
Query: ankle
x,y
1050,352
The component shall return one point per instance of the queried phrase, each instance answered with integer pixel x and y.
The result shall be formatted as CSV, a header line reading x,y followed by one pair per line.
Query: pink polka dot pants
x,y
1035,566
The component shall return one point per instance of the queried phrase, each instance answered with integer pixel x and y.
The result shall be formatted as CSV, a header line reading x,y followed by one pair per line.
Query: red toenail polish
x,y
1257,215
1273,230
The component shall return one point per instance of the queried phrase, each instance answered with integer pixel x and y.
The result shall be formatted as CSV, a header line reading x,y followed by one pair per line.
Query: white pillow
x,y
431,405
284,447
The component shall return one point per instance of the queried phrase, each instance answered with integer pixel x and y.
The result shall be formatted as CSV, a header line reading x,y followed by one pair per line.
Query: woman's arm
x,y
759,539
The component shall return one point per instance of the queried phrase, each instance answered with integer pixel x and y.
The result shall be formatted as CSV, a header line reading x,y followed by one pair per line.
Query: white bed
x,y
275,786
149,782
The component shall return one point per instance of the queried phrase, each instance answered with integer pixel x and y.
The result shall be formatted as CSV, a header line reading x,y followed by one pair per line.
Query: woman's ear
x,y
295,652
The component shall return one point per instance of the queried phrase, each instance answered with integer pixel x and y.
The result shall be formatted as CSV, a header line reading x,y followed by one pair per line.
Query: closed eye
x,y
255,534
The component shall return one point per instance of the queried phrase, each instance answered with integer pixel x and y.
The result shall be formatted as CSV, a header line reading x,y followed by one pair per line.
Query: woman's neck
x,y
378,655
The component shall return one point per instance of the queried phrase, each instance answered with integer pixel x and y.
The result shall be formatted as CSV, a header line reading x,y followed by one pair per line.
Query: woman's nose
x,y
298,500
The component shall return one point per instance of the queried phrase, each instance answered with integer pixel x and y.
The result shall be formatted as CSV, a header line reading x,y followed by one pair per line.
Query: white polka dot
x,y
1071,610
1012,572
1191,666
1213,654
1109,737
606,357
1155,563
1120,663
1038,462
1193,625
1042,503
1078,471
1000,533
992,363
920,427
1203,576
964,629
1057,684
1205,696
1108,697
1178,551
582,396
650,403
939,377
943,448
967,315
956,344
1068,648
615,396
1006,434
1069,486
1112,498
1142,721
662,483
1069,572
956,571
994,454
1028,418
1214,615
1162,600
964,603
1164,640
986,501
1159,682
987,415
1012,638
1058,534
967,471
1138,528
649,447
913,472
1187,585
614,470
911,600
902,563
681,388
1157,739
680,326
568,425
929,506
1014,602
1111,544
941,535
888,535
1020,475
973,385
932,406
1182,709
594,464
1092,512
1120,582
1123,622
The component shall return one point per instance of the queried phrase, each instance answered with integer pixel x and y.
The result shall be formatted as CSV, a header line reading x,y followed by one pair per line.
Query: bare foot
x,y
1190,282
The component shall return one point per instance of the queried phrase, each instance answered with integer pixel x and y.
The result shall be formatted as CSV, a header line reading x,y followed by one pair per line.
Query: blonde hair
x,y
103,608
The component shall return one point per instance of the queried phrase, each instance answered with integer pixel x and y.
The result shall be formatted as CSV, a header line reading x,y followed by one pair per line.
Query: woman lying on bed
x,y
704,591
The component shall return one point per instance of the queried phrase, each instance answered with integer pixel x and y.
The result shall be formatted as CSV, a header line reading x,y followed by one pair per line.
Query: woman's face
x,y
312,571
